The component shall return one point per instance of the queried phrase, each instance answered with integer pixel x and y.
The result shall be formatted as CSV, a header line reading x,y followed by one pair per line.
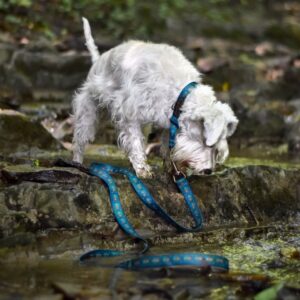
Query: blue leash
x,y
104,172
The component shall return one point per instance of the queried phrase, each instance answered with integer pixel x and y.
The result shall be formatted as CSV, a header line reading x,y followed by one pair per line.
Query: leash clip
x,y
177,174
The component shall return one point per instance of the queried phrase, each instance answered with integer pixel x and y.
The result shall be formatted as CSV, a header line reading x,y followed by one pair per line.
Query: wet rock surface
x,y
256,263
36,198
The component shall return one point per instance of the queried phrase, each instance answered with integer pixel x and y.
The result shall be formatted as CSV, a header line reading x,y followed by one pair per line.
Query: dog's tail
x,y
89,41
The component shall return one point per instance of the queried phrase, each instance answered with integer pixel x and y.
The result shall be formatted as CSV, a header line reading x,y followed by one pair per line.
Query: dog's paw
x,y
145,172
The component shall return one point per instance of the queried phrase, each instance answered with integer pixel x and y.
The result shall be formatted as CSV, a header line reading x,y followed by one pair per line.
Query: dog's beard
x,y
222,151
193,155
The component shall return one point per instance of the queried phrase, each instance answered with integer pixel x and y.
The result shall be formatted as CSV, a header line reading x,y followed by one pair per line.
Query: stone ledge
x,y
38,199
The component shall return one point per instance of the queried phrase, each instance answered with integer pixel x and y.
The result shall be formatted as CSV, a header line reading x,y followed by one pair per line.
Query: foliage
x,y
122,18
118,18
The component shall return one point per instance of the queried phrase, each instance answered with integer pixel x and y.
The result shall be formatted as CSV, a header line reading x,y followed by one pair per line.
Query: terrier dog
x,y
138,83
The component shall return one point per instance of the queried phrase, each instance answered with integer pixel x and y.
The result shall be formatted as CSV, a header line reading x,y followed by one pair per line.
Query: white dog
x,y
139,83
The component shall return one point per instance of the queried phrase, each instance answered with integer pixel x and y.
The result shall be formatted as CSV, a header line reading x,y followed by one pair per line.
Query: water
x,y
271,253
268,252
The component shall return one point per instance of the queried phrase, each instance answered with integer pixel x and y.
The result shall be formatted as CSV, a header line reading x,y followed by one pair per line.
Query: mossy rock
x,y
19,134
35,199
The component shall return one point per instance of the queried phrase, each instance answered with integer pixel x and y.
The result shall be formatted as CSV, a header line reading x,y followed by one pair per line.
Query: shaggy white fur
x,y
139,83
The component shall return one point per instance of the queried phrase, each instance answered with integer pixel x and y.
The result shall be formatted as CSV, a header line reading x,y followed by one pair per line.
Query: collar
x,y
174,124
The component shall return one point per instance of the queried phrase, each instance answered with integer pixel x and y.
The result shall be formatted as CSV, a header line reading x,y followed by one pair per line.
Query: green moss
x,y
263,256
246,161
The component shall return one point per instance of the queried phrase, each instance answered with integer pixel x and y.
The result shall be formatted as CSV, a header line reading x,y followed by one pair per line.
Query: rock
x,y
231,73
269,122
19,134
259,124
6,51
53,74
285,33
288,87
279,291
40,45
290,253
46,111
294,138
238,196
14,89
75,291
43,176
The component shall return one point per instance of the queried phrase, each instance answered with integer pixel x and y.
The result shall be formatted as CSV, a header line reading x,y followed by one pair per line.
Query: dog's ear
x,y
213,128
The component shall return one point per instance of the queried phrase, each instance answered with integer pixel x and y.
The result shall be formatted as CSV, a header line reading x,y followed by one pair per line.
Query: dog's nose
x,y
207,171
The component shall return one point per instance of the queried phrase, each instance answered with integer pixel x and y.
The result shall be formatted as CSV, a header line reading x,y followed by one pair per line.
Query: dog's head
x,y
205,125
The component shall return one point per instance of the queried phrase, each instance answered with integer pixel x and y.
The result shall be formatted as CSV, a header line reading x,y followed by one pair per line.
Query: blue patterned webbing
x,y
104,171
174,123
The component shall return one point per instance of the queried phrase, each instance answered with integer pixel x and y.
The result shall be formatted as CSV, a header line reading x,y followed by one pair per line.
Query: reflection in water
x,y
271,256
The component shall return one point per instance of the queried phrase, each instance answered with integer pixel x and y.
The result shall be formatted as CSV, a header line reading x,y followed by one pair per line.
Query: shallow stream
x,y
260,257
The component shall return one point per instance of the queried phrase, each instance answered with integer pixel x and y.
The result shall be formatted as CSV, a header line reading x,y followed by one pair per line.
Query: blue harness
x,y
142,261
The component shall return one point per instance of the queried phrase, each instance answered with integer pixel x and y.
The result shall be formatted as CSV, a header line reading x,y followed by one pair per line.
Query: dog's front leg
x,y
131,139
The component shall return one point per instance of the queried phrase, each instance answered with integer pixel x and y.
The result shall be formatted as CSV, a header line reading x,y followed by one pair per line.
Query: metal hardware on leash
x,y
177,174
